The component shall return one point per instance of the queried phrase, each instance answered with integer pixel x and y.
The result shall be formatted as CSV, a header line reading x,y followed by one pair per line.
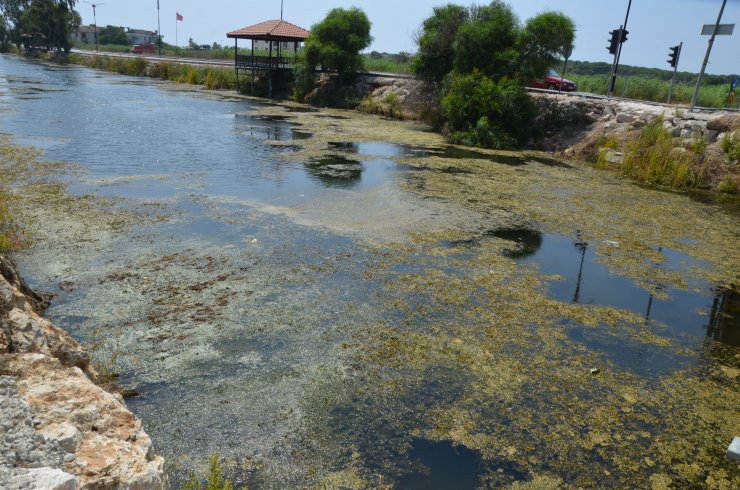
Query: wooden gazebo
x,y
275,33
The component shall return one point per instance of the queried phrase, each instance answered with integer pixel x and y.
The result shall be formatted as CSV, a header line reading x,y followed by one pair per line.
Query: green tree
x,y
44,22
112,35
543,40
335,42
436,40
488,42
4,34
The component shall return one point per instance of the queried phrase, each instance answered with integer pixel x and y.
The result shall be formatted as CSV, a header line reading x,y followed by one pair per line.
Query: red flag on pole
x,y
179,17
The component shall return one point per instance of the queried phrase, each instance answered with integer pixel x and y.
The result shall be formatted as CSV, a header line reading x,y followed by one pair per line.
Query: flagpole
x,y
175,30
159,30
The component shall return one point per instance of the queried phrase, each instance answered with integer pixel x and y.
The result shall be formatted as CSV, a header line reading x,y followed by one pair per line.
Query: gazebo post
x,y
251,62
269,73
236,62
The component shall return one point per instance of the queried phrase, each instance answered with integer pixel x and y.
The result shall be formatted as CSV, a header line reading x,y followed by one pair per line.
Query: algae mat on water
x,y
347,343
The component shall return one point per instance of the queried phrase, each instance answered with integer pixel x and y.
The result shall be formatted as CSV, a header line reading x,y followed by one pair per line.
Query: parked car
x,y
147,48
552,82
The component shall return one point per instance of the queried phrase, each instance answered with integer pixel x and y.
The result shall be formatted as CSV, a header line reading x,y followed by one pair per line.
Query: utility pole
x,y
281,9
95,23
706,58
566,54
159,31
623,38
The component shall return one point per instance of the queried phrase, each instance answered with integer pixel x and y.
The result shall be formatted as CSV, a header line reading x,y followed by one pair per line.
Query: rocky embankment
x,y
58,429
573,126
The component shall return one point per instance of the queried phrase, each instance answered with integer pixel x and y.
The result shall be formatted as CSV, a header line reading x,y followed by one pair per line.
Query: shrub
x,y
304,80
730,144
480,111
651,157
728,185
390,106
214,480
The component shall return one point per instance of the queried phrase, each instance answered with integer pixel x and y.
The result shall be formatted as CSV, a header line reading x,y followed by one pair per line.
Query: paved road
x,y
153,57
230,63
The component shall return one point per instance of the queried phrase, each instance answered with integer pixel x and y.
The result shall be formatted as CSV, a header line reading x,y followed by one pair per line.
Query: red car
x,y
552,82
148,48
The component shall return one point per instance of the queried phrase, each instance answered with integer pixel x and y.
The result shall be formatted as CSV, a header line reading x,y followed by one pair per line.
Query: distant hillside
x,y
602,68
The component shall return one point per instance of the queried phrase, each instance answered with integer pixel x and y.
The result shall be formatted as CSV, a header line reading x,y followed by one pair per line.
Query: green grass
x,y
654,89
730,144
226,53
652,157
214,480
212,78
386,66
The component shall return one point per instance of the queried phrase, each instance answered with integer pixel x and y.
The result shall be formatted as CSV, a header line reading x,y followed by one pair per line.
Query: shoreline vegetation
x,y
673,165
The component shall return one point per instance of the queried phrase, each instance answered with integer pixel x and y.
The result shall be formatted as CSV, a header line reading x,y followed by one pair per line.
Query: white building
x,y
140,36
84,34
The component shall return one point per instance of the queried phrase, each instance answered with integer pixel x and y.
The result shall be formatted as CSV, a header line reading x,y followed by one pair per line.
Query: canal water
x,y
328,299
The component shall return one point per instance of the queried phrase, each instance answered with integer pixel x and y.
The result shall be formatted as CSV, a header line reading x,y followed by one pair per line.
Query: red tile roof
x,y
271,29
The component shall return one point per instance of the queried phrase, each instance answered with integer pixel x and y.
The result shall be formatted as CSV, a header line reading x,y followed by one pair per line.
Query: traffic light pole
x,y
706,58
613,78
615,67
675,69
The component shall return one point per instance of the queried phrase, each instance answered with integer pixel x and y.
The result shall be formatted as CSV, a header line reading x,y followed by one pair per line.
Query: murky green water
x,y
330,299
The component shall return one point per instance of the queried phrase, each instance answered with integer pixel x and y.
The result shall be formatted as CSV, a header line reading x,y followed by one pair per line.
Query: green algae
x,y
450,342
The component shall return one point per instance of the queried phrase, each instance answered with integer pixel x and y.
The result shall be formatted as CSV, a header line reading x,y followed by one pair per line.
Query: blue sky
x,y
654,25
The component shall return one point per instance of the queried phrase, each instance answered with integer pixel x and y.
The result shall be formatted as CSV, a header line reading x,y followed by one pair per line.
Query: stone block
x,y
50,479
625,118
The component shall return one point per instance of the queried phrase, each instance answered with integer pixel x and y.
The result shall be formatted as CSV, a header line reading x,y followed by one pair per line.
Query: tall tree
x,y
335,42
543,40
488,41
436,40
112,35
47,22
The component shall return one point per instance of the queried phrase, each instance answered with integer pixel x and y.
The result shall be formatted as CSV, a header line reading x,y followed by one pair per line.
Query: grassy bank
x,y
209,77
654,157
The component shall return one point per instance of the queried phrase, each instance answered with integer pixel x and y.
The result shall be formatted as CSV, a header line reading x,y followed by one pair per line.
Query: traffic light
x,y
623,38
673,55
614,41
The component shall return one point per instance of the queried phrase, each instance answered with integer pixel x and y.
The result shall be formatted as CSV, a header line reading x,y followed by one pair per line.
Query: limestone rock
x,y
58,429
46,478
724,123
625,118
110,447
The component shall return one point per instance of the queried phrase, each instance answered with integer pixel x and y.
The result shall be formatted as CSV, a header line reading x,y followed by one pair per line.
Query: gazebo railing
x,y
264,62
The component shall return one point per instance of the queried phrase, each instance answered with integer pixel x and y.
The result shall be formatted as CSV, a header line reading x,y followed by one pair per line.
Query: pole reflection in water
x,y
724,318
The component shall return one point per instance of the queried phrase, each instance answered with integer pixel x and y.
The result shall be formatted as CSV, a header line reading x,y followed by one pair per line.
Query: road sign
x,y
722,29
